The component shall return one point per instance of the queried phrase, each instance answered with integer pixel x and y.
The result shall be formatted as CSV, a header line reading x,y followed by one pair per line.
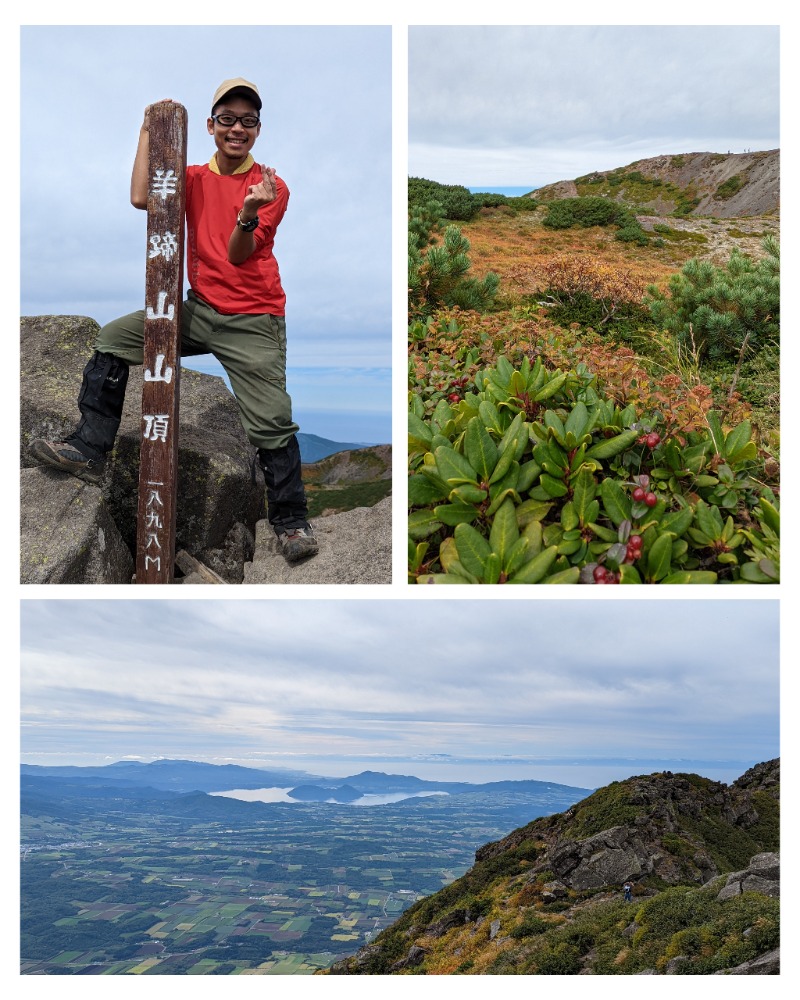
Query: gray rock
x,y
768,964
456,918
354,547
494,929
67,534
215,486
762,875
608,858
674,965
415,956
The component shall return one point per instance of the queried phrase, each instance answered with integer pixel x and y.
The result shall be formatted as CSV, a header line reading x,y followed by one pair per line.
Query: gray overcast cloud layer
x,y
182,678
535,104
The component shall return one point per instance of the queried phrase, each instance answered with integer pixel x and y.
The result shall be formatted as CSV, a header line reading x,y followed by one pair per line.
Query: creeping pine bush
x,y
438,272
536,477
720,310
458,203
590,211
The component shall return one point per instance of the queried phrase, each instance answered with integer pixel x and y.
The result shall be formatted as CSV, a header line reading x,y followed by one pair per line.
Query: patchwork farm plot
x,y
160,895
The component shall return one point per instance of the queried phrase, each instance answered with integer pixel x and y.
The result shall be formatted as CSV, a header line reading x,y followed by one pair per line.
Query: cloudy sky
x,y
327,131
392,684
527,106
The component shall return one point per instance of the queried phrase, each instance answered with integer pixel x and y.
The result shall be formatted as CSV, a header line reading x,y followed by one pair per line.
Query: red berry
x,y
639,494
651,499
454,397
612,578
653,440
635,541
600,573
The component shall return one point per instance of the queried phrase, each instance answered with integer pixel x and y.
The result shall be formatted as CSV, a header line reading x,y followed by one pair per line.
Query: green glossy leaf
x,y
553,487
416,554
441,578
504,531
550,388
737,439
553,423
473,549
490,417
659,558
616,502
677,521
570,575
578,421
455,513
500,498
422,523
533,532
528,474
493,568
419,434
606,534
770,515
691,576
612,446
481,450
569,516
454,468
584,490
468,493
709,520
694,458
532,510
423,490
517,555
535,569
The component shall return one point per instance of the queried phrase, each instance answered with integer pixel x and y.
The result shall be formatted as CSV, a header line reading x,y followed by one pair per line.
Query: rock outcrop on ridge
x,y
700,856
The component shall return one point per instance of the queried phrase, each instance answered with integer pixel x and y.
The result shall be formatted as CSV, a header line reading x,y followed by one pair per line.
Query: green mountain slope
x,y
547,899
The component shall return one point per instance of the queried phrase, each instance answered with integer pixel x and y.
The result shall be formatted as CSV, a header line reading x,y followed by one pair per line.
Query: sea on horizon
x,y
509,192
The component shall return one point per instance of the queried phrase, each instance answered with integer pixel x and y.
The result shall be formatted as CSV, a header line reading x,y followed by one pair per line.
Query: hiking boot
x,y
297,544
64,456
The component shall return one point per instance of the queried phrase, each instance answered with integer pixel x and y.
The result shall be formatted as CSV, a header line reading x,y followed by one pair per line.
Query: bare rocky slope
x,y
547,899
721,185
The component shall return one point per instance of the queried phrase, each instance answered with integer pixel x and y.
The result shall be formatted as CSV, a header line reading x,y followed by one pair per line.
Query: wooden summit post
x,y
158,469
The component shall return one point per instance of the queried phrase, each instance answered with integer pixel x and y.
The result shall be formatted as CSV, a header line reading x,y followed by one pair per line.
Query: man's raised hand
x,y
262,193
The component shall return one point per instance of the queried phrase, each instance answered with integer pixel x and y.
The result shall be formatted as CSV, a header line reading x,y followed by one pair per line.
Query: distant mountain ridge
x,y
314,448
185,776
547,899
722,185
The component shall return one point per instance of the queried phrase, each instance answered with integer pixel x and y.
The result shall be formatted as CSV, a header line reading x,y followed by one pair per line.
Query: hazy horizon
x,y
572,691
587,772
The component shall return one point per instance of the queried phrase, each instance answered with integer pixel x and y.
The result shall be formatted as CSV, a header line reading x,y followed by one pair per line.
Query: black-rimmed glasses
x,y
226,119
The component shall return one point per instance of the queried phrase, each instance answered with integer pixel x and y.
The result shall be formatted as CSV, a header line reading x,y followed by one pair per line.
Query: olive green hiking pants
x,y
251,349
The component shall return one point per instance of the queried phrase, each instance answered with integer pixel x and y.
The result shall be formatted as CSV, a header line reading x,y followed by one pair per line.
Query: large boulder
x,y
67,533
354,547
763,875
219,498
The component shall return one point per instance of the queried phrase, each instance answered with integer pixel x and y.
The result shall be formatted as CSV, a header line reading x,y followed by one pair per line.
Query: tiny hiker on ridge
x,y
235,310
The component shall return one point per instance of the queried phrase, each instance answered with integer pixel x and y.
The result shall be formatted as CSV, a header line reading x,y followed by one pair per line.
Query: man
x,y
235,311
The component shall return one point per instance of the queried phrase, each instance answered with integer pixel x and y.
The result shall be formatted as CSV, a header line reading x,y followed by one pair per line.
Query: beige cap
x,y
238,84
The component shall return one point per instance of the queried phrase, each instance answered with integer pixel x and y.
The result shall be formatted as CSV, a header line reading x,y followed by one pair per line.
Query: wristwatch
x,y
246,227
